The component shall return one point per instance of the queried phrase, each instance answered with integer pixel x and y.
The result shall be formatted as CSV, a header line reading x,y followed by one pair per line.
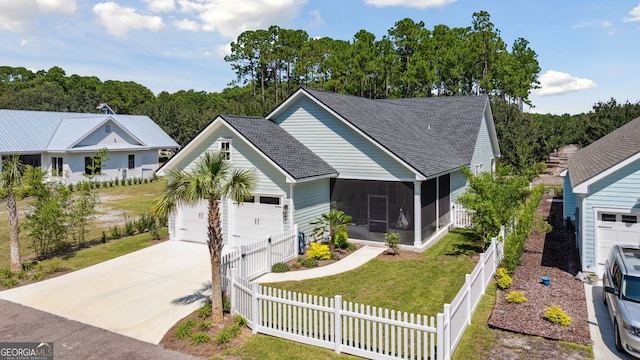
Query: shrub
x,y
279,268
205,311
516,297
115,232
6,273
200,338
184,330
503,278
21,275
392,241
341,240
318,251
205,325
227,335
37,276
239,321
307,262
103,237
9,283
129,226
557,316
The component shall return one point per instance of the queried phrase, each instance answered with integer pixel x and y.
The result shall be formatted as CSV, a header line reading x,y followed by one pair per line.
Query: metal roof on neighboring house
x,y
605,153
433,135
280,146
36,131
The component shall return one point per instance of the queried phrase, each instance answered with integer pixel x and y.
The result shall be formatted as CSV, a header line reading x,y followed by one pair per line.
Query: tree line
x,y
411,61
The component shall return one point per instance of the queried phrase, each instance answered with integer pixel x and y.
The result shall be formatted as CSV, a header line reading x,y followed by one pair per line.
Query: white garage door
x,y
192,222
612,229
255,219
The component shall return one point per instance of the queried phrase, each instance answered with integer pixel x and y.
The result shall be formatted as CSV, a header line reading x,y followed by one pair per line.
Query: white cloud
x,y
635,14
119,20
14,15
224,50
161,5
187,24
420,4
556,82
231,17
317,18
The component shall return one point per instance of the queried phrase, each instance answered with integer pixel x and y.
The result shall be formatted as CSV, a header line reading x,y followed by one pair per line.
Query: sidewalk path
x,y
356,259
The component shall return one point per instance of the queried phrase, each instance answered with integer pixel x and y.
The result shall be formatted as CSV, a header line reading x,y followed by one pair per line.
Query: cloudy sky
x,y
588,50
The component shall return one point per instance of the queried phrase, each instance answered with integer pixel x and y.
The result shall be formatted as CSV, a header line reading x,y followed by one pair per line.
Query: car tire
x,y
616,335
604,297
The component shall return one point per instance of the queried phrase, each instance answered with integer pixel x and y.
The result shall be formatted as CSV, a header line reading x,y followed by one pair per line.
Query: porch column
x,y
437,203
291,221
417,213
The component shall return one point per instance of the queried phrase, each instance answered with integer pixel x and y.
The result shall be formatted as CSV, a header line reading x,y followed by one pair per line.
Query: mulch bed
x,y
553,254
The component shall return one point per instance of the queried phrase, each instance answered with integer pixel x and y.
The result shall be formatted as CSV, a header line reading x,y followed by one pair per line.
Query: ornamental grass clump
x,y
516,297
557,316
503,278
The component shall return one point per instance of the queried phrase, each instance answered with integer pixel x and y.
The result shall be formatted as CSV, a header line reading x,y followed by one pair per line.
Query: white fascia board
x,y
302,93
313,178
564,173
195,142
583,188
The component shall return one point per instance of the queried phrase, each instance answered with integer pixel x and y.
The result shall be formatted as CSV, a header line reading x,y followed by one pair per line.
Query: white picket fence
x,y
359,329
251,261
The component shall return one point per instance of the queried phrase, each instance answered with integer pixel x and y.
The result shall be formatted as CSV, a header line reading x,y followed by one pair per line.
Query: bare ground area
x,y
555,255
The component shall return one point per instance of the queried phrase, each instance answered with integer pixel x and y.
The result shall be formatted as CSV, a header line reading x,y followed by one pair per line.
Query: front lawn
x,y
420,286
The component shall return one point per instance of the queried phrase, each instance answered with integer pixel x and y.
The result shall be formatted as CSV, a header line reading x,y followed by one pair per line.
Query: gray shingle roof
x,y
277,144
433,135
37,131
604,153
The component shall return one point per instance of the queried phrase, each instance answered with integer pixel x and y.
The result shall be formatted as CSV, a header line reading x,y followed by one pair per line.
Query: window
x,y
608,217
56,166
478,169
225,147
270,200
90,166
132,161
629,219
107,128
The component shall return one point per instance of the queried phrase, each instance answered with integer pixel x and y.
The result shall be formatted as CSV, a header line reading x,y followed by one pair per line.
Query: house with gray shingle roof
x,y
602,194
394,165
65,144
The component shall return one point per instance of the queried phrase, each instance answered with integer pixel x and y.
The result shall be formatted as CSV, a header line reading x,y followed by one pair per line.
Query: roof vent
x,y
105,109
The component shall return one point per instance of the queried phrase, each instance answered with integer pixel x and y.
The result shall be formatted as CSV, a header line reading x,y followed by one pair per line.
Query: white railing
x,y
252,261
359,329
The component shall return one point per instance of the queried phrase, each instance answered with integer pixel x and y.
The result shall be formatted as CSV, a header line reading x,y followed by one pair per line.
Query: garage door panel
x,y
192,222
615,229
254,221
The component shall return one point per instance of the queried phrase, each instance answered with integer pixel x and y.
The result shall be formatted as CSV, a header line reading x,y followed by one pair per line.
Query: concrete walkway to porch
x,y
358,258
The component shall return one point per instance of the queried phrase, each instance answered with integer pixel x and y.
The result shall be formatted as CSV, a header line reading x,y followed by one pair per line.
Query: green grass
x,y
420,286
478,338
103,252
267,347
129,199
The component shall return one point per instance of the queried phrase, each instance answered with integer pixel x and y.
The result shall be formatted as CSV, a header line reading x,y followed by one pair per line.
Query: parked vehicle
x,y
621,294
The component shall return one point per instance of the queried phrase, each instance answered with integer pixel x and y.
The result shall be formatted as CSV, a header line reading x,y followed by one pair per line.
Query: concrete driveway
x,y
600,326
140,295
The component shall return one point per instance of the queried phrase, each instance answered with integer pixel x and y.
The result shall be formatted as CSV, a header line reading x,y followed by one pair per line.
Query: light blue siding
x,y
311,199
483,151
101,137
569,200
336,143
618,191
458,185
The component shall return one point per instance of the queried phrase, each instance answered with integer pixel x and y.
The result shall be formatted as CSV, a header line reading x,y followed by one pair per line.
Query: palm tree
x,y
11,178
333,223
213,179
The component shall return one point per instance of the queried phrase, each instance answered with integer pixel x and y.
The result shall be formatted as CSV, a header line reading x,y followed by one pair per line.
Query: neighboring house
x,y
602,194
393,165
65,144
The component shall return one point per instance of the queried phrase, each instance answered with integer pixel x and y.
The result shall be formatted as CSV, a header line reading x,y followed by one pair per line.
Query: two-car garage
x,y
255,219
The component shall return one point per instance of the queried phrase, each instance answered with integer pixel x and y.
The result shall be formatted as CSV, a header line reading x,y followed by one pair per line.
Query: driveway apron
x,y
140,295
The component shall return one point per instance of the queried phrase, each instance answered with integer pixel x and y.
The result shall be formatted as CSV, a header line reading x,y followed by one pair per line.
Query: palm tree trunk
x,y
14,244
214,243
